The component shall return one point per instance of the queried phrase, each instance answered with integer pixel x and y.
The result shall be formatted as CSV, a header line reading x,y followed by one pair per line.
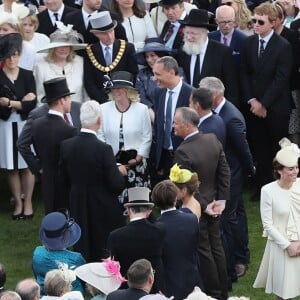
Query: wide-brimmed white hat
x,y
289,154
18,12
104,276
197,294
64,36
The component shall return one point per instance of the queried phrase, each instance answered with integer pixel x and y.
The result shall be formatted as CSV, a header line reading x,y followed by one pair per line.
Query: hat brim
x,y
67,239
128,204
46,100
97,276
161,3
111,26
61,44
140,55
208,26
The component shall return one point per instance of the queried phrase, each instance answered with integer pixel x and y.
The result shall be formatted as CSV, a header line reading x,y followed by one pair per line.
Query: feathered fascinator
x,y
68,274
64,36
178,175
104,276
289,154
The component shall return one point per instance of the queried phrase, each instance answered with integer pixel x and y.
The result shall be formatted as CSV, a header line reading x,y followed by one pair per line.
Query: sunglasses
x,y
259,22
226,3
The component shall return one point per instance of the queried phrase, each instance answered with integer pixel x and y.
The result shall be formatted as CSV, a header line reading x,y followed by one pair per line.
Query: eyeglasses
x,y
225,22
259,22
229,3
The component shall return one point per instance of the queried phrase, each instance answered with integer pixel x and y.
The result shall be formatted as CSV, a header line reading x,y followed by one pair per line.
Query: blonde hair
x,y
34,20
50,58
15,27
132,94
243,15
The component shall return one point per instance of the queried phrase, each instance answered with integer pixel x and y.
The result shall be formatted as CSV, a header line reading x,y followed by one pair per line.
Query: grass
x,y
19,238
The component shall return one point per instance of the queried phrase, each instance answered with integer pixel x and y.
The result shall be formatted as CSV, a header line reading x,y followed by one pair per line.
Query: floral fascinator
x,y
289,154
104,276
178,175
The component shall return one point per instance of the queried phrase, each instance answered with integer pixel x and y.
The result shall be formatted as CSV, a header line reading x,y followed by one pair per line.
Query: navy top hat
x,y
152,45
58,232
198,18
118,80
10,44
55,88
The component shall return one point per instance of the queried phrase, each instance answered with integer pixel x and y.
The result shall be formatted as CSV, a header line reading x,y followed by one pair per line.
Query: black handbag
x,y
123,157
6,92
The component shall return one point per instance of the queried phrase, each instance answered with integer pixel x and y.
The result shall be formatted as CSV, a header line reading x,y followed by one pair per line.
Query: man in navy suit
x,y
239,158
139,238
180,256
172,31
80,19
200,57
173,91
266,66
140,277
56,11
227,34
201,101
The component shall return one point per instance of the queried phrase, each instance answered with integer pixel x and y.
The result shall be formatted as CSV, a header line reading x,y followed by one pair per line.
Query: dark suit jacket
x,y
25,138
217,62
267,78
214,124
128,294
203,154
55,129
237,150
76,18
159,109
139,239
179,36
236,44
89,167
180,256
45,21
93,78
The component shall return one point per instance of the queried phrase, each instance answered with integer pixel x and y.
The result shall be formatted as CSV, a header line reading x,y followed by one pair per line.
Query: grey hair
x,y
169,63
213,84
28,289
10,295
90,112
188,115
57,282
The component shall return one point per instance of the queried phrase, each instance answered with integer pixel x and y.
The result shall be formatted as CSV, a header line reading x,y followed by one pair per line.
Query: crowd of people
x,y
117,106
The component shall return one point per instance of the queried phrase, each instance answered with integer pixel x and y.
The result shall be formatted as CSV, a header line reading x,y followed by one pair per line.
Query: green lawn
x,y
19,238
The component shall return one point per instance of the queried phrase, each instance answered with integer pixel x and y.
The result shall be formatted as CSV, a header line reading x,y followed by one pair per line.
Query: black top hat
x,y
55,88
9,45
198,18
152,45
119,79
166,3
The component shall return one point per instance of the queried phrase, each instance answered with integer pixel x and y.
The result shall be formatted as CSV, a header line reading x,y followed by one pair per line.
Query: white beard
x,y
193,48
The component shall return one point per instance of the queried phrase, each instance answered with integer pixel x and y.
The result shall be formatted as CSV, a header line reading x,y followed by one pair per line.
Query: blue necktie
x,y
168,122
107,56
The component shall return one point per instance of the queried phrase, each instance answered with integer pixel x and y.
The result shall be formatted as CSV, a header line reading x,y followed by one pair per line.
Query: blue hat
x,y
152,45
58,232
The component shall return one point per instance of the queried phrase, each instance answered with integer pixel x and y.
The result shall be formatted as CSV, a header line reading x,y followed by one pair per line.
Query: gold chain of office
x,y
113,64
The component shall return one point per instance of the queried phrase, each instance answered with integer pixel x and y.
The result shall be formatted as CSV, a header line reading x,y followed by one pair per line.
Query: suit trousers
x,y
212,258
234,227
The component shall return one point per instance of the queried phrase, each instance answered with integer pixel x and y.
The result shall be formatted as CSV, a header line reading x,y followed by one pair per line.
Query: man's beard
x,y
193,48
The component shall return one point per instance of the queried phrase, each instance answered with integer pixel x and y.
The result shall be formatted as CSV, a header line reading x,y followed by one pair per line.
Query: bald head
x,y
28,289
225,18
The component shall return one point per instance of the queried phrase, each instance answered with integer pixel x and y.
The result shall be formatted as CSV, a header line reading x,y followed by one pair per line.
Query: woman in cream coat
x,y
280,212
126,126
